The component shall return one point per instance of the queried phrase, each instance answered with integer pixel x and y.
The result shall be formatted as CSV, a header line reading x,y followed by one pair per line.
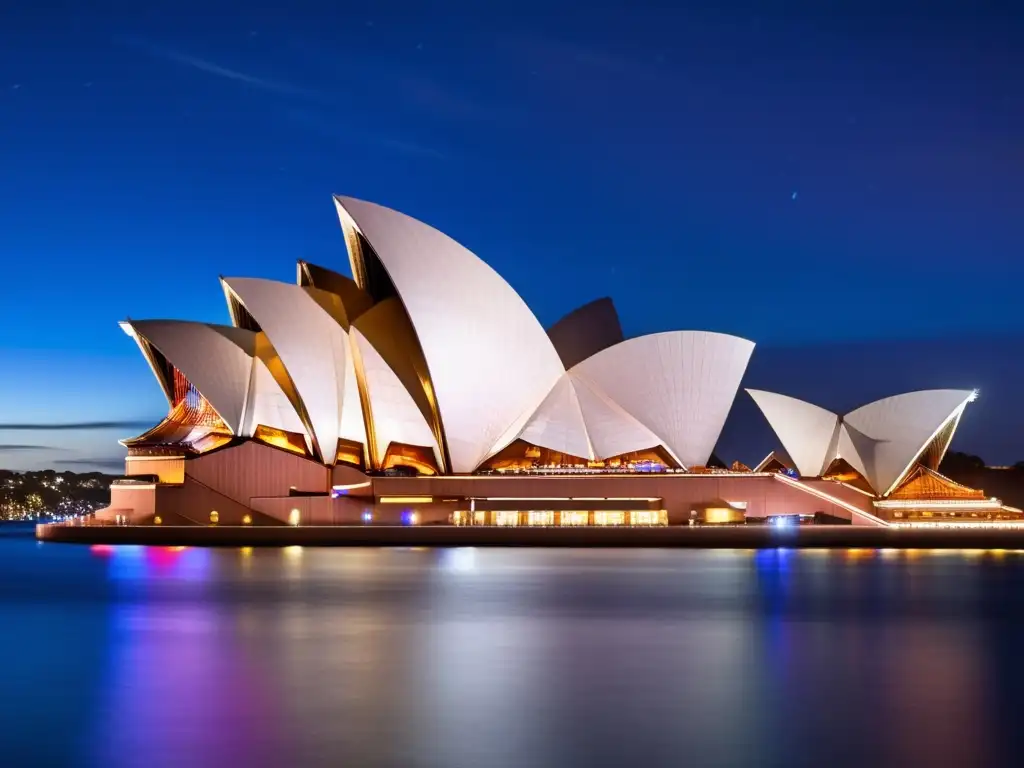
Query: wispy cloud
x,y
564,57
339,128
101,463
75,425
218,70
369,77
17,447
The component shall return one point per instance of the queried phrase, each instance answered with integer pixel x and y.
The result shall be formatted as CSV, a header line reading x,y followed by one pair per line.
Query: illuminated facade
x,y
425,390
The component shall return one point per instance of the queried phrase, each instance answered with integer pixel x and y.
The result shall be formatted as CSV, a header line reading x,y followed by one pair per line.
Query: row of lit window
x,y
567,518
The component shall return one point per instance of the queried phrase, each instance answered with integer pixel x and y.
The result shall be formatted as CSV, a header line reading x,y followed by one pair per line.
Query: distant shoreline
x,y
737,537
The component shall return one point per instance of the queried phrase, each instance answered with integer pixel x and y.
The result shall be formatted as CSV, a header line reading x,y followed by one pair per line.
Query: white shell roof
x,y
217,360
806,431
899,429
352,426
559,424
491,363
312,346
612,431
396,419
881,440
270,405
680,385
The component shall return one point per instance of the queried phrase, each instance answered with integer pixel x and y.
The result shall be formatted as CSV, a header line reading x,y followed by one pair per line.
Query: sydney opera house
x,y
424,391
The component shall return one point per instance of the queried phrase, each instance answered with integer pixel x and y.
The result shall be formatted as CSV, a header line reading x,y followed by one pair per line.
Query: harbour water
x,y
147,656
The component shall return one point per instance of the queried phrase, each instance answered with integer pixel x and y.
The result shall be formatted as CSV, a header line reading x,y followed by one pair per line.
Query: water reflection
x,y
487,658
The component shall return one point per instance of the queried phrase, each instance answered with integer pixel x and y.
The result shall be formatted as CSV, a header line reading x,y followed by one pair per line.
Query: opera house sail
x,y
423,389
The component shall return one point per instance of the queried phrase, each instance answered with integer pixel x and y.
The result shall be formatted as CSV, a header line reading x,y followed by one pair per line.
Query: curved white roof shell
x,y
352,426
899,429
395,416
680,385
611,430
491,363
807,432
312,346
217,360
559,423
269,405
881,440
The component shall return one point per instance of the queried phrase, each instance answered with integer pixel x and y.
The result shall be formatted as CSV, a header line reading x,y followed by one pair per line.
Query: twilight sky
x,y
840,182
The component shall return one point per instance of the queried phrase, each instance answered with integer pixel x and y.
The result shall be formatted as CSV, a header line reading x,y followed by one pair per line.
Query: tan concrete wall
x,y
321,510
313,510
137,503
764,495
254,470
195,502
343,475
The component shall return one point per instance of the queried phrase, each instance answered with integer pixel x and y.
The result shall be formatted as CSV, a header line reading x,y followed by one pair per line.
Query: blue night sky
x,y
840,182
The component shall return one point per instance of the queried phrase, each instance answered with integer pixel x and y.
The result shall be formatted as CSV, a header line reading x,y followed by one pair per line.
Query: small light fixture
x,y
214,517
246,519
293,517
158,520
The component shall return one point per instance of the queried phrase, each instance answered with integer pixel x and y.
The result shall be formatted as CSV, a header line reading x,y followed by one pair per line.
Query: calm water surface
x,y
135,656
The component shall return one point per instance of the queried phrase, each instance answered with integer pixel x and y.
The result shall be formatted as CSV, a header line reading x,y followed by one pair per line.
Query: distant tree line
x,y
956,462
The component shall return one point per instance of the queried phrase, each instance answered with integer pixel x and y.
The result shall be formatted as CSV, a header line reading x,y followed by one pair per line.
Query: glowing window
x,y
540,518
645,517
609,518
720,515
506,518
575,518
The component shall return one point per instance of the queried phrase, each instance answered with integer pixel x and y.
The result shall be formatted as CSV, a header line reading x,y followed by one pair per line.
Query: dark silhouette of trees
x,y
956,463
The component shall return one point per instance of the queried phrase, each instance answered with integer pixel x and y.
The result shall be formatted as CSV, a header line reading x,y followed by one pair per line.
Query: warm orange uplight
x,y
721,515
246,519
277,438
214,517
